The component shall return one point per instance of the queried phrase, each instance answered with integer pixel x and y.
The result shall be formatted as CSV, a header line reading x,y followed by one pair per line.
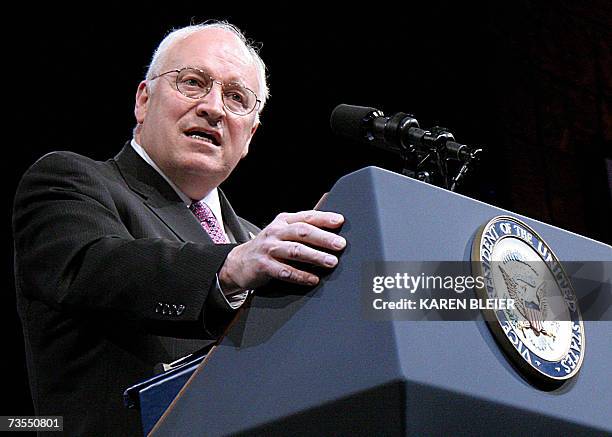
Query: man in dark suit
x,y
140,260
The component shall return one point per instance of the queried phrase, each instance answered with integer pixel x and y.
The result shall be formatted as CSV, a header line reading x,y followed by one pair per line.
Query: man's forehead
x,y
214,50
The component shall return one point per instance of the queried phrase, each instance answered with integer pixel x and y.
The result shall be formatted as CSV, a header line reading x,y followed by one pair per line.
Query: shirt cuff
x,y
234,300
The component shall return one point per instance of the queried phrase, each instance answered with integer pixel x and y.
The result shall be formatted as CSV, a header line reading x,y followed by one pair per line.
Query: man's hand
x,y
288,238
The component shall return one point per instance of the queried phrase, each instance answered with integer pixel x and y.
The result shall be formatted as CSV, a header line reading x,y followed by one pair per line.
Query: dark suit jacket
x,y
114,275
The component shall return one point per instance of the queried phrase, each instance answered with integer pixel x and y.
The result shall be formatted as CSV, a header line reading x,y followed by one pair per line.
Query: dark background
x,y
530,82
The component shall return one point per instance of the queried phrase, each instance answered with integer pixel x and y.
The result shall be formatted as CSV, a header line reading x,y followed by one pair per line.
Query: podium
x,y
309,362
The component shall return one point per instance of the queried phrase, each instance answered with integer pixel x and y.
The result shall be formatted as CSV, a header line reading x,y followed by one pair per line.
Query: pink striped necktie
x,y
209,222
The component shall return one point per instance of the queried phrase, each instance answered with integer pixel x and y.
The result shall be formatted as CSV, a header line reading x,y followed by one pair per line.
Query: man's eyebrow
x,y
233,79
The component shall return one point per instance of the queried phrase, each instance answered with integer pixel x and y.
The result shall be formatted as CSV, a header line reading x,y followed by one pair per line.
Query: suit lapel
x,y
159,196
180,220
231,220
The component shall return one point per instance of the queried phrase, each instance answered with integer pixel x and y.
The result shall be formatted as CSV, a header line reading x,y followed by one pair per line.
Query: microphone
x,y
399,133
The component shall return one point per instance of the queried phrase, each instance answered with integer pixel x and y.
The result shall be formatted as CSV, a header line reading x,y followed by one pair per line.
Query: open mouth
x,y
203,136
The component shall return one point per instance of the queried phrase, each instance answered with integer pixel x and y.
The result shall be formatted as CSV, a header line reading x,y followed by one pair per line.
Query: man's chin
x,y
205,172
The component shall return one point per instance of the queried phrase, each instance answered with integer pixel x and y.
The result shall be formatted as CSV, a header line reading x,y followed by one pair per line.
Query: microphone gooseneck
x,y
402,135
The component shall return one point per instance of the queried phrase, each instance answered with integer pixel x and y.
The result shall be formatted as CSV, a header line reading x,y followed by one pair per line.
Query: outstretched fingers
x,y
283,250
323,219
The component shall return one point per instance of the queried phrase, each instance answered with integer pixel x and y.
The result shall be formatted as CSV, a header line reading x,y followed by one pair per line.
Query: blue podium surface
x,y
309,362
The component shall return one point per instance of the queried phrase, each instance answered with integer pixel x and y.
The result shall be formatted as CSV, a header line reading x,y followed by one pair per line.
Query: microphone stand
x,y
435,148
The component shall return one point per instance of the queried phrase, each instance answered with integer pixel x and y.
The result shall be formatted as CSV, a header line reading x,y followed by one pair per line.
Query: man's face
x,y
169,119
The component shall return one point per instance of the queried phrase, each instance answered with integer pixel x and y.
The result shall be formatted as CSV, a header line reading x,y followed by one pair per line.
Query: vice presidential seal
x,y
542,333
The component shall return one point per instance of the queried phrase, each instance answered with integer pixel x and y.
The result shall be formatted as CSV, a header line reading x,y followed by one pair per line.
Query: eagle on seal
x,y
530,301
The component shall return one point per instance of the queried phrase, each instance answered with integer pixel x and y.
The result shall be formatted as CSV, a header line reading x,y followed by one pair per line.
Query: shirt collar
x,y
211,199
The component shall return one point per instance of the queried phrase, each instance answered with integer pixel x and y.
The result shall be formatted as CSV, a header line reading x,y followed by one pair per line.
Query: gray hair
x,y
176,35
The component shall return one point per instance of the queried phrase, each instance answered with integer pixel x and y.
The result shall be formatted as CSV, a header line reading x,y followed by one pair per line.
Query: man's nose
x,y
211,105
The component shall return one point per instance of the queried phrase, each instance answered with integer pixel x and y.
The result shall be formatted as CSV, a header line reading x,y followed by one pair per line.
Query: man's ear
x,y
246,148
142,99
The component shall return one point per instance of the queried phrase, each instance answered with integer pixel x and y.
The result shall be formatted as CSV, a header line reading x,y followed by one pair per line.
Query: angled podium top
x,y
308,362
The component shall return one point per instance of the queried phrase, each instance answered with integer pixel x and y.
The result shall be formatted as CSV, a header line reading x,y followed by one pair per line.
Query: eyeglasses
x,y
195,84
